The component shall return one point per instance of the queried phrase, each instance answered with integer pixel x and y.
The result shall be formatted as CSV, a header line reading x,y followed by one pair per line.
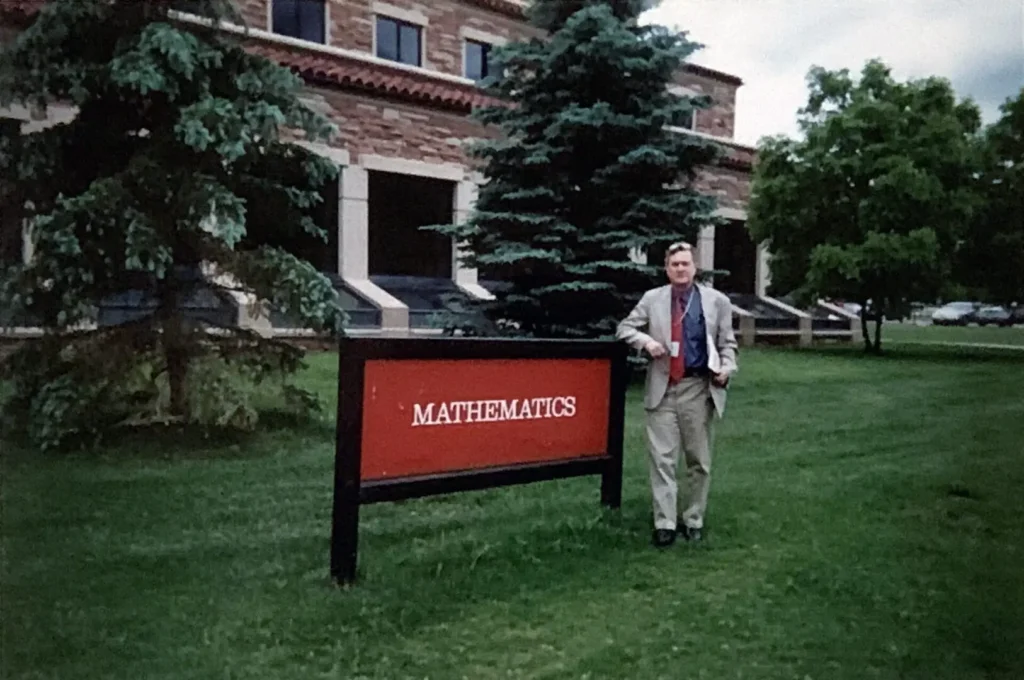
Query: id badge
x,y
675,349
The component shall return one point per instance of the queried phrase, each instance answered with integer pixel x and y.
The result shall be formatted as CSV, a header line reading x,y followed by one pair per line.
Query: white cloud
x,y
977,44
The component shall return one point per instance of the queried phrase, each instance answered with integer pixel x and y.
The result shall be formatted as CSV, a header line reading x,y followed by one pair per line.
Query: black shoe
x,y
664,538
690,533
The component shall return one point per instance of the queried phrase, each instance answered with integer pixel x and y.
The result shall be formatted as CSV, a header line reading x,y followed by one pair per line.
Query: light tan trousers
x,y
681,422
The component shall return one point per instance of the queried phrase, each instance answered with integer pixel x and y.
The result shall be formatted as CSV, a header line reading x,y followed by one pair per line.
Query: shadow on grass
x,y
159,441
220,442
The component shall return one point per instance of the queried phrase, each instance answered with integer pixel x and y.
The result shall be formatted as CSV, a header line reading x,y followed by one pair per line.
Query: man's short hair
x,y
678,247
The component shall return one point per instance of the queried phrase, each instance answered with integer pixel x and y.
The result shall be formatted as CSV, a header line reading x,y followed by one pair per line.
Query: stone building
x,y
399,79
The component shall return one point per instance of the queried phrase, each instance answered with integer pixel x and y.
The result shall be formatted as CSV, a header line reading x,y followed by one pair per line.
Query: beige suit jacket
x,y
653,314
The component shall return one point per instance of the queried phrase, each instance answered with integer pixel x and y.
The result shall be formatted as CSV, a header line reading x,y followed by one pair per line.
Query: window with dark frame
x,y
302,19
478,60
399,41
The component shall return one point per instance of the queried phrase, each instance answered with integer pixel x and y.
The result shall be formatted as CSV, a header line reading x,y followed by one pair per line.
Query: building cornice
x,y
714,74
515,9
737,156
343,73
347,69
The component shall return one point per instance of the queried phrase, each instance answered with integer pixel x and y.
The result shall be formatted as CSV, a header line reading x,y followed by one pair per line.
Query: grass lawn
x,y
866,522
906,332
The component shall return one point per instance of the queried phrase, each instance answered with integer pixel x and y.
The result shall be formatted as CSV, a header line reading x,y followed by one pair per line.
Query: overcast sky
x,y
977,44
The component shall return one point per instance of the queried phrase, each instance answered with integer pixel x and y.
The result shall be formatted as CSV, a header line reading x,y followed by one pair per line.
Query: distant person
x,y
690,339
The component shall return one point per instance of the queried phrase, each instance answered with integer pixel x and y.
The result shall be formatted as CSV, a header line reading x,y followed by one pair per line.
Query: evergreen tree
x,y
583,170
164,184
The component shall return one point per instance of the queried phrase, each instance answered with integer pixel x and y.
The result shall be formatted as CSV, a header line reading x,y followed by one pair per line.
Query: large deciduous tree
x,y
870,204
159,187
583,169
991,259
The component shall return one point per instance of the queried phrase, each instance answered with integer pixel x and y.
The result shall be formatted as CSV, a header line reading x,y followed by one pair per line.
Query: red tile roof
x,y
351,73
337,70
19,10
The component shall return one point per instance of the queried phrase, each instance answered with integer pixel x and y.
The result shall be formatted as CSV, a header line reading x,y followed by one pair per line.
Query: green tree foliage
x,y
164,183
991,259
582,169
870,204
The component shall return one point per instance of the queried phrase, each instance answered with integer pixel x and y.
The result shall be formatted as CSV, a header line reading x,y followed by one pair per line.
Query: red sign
x,y
428,416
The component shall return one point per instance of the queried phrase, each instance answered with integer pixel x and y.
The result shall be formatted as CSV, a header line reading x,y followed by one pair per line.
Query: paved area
x,y
947,343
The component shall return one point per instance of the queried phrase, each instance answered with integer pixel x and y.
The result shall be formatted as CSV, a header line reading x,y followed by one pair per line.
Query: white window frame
x,y
465,53
382,10
682,90
469,33
327,23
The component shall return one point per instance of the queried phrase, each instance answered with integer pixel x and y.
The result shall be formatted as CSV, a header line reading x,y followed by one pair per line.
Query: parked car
x,y
993,314
852,307
954,314
1017,315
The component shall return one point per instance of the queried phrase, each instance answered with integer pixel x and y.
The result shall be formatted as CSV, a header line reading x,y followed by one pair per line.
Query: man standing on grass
x,y
690,339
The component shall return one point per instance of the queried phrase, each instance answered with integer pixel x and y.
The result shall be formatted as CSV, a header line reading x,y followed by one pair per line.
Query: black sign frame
x,y
350,492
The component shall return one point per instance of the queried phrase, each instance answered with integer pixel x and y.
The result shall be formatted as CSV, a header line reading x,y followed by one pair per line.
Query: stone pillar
x,y
763,273
354,248
806,331
706,249
354,223
747,331
28,247
466,193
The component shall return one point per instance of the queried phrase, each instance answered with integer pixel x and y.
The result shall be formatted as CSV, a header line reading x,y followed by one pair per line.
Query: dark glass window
x,y
686,120
398,41
302,19
478,60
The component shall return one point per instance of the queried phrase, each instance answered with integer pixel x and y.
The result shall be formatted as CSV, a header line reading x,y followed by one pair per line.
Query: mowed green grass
x,y
866,522
907,332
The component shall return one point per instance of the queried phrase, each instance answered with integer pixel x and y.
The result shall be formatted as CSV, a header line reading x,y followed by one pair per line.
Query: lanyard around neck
x,y
689,301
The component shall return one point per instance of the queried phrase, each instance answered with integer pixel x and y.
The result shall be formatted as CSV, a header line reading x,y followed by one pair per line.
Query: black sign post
x,y
350,491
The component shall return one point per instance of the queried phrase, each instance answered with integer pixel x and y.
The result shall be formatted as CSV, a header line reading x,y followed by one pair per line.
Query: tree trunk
x,y
865,332
175,354
875,346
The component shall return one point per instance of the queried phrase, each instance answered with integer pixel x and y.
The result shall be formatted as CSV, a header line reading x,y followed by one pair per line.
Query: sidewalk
x,y
948,343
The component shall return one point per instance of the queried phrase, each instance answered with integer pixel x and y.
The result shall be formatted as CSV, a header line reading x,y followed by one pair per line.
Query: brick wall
x,y
368,125
372,126
730,187
351,26
720,119
255,13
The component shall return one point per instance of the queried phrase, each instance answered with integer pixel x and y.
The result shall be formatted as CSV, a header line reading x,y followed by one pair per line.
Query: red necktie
x,y
677,366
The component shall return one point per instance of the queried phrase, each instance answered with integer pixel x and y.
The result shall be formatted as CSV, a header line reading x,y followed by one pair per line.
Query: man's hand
x,y
720,379
655,349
